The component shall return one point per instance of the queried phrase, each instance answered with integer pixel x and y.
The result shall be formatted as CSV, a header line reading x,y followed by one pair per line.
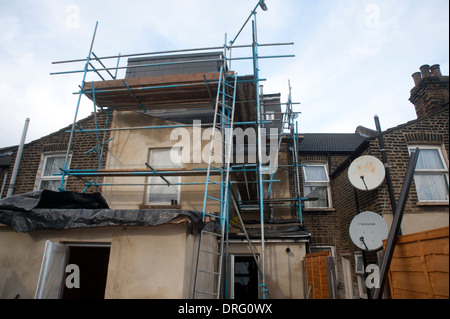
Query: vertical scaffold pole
x,y
259,144
69,146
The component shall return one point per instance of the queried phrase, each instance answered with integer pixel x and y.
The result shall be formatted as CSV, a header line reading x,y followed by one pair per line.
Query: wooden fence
x,y
320,275
419,267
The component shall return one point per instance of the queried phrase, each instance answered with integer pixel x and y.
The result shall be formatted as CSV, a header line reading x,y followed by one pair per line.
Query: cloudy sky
x,y
353,58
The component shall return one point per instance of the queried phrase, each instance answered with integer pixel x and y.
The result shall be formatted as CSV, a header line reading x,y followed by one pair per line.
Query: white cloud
x,y
353,58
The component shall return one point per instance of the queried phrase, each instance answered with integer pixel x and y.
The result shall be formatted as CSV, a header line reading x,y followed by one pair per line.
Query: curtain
x,y
431,187
429,159
53,164
164,158
316,174
430,176
317,191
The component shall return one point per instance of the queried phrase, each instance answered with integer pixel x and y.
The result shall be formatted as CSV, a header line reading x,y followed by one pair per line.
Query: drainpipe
x,y
18,157
387,168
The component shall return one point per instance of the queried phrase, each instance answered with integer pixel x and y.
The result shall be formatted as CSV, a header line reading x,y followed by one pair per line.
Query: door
x,y
52,271
90,263
244,277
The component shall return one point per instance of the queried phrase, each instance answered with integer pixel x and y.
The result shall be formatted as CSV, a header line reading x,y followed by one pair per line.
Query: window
x,y
360,275
316,185
431,174
270,115
50,165
319,248
158,191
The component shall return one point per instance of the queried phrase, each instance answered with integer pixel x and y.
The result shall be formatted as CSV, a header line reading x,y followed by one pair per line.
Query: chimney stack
x,y
417,77
431,90
435,70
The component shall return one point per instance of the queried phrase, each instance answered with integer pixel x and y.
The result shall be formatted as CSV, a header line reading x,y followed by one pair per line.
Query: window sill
x,y
433,203
319,209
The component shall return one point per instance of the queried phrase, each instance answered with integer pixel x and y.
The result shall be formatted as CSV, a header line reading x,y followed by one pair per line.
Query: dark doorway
x,y
93,269
245,278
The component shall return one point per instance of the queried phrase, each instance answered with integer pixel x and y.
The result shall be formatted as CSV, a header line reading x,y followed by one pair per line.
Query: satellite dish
x,y
368,230
366,173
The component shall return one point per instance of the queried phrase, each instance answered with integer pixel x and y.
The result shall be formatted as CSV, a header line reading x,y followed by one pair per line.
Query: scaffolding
x,y
186,92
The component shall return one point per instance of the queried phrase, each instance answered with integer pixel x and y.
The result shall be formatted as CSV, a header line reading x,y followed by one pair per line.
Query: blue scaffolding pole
x,y
86,67
259,169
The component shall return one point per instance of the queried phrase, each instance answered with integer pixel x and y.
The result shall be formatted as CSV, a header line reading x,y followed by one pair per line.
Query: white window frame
x,y
443,171
361,275
158,180
320,248
55,178
270,115
307,183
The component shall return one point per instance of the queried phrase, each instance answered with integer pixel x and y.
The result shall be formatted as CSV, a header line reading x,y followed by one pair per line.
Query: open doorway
x,y
245,277
92,262
89,264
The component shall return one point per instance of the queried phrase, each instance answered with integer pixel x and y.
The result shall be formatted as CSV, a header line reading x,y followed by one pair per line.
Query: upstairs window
x,y
158,191
431,174
50,165
316,184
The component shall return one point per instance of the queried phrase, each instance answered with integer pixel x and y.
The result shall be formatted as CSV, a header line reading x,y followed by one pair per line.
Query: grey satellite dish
x,y
368,230
366,173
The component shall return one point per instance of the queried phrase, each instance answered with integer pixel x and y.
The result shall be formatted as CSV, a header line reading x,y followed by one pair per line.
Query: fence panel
x,y
317,275
419,267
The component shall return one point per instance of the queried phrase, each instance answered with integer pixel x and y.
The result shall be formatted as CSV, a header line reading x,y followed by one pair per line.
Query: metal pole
x,y
387,167
260,168
172,51
169,63
61,187
12,183
392,238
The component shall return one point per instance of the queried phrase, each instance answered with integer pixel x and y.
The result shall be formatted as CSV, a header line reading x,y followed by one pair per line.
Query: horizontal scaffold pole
x,y
170,51
170,63
159,127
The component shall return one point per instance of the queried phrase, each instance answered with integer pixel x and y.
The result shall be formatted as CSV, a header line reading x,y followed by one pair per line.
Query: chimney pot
x,y
435,70
425,70
417,78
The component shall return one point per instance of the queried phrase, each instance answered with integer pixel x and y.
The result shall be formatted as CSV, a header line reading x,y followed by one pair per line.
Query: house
x,y
150,164
328,157
189,181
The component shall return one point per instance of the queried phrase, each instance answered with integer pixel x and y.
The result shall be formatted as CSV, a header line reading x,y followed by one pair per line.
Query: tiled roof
x,y
330,143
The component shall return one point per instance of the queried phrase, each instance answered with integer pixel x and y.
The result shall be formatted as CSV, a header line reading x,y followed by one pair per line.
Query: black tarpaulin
x,y
64,210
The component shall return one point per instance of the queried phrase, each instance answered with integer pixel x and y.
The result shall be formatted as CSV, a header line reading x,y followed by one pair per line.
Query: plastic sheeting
x,y
65,210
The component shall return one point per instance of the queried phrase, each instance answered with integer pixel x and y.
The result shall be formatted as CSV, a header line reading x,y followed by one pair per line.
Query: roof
x,y
330,143
6,158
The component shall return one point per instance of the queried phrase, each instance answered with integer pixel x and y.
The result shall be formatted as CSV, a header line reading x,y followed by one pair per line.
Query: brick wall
x,y
58,142
432,129
431,91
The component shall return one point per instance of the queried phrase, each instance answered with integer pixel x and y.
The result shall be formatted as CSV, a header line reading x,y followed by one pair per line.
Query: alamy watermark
x,y
73,278
373,16
73,16
373,277
196,145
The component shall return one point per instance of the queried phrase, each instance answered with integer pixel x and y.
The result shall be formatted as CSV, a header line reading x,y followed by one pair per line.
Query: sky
x,y
353,58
